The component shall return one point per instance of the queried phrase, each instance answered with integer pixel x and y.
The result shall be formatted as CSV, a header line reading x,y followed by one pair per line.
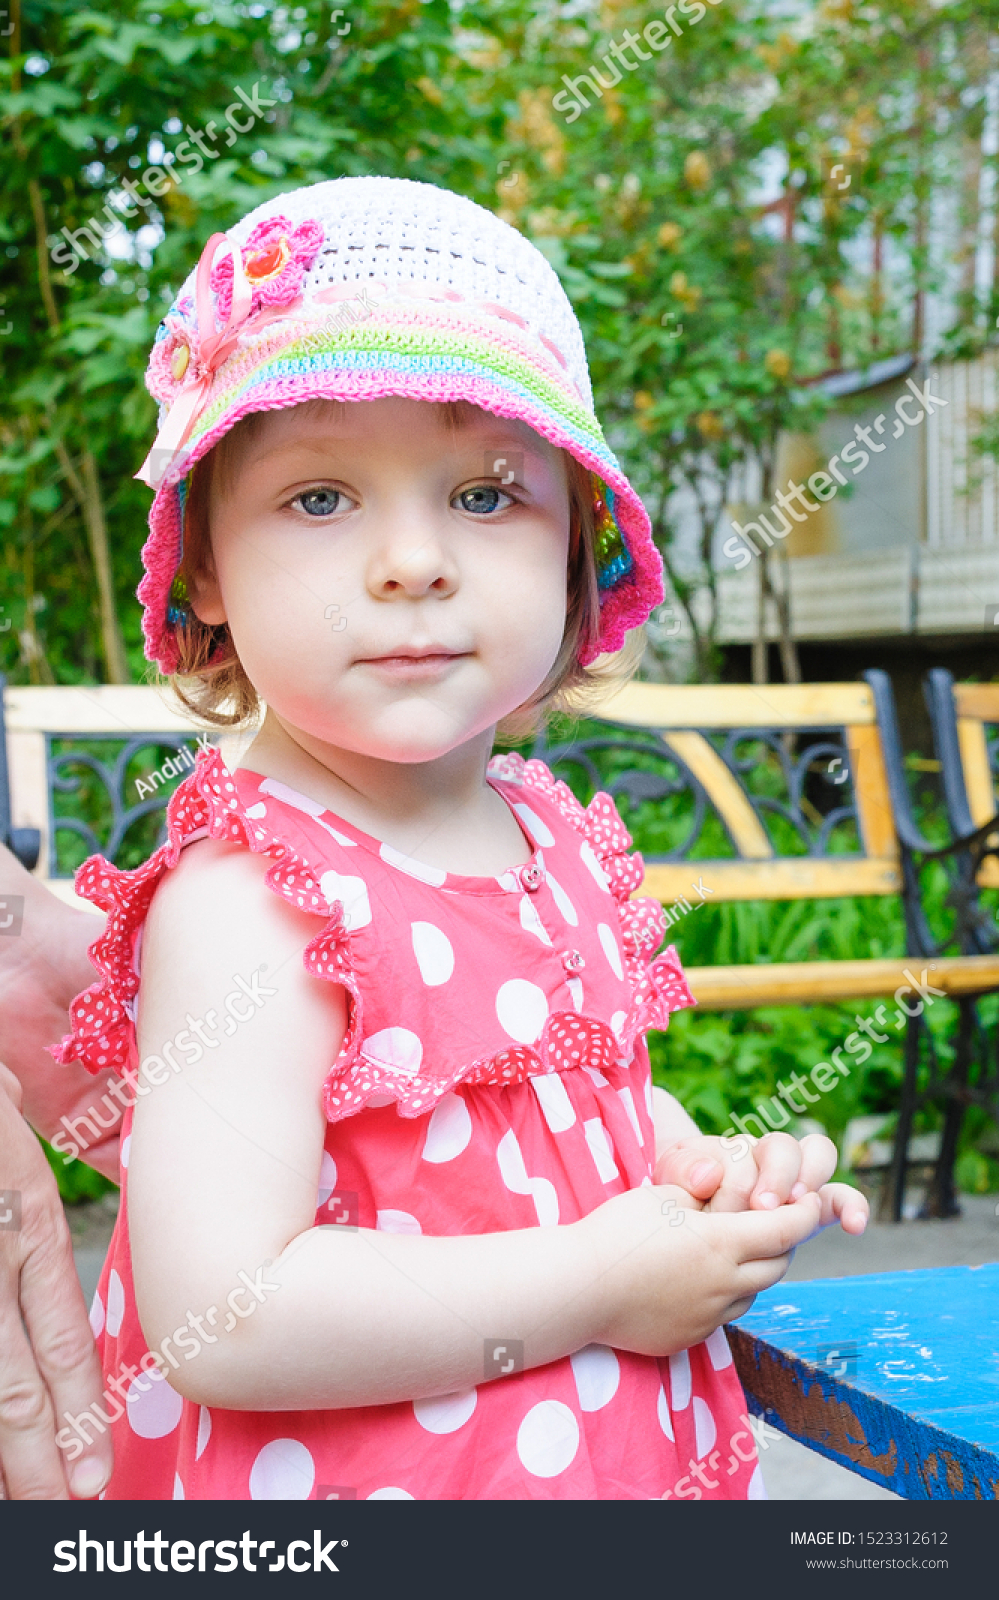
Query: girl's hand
x,y
671,1273
772,1172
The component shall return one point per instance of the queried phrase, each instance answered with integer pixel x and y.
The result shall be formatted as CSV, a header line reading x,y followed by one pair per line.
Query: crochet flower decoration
x,y
171,354
276,258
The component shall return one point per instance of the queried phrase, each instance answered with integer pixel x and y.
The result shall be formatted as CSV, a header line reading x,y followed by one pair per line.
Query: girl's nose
x,y
412,564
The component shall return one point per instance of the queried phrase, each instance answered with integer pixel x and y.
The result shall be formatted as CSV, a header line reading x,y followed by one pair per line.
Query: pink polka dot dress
x,y
494,1076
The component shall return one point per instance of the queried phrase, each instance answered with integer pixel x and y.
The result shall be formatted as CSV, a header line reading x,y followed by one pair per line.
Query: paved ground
x,y
790,1471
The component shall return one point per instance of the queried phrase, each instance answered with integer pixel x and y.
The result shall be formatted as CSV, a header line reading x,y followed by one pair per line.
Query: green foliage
x,y
77,1182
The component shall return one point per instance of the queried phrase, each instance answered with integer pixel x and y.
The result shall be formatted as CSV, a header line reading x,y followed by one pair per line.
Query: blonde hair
x,y
219,691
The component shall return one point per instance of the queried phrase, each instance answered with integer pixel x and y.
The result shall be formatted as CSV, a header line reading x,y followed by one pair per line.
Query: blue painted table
x,y
895,1376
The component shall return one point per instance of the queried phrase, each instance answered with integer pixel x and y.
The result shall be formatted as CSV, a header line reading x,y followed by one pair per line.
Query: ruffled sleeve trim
x,y
207,805
657,982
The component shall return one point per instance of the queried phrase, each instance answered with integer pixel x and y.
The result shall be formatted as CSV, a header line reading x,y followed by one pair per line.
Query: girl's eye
x,y
482,499
320,502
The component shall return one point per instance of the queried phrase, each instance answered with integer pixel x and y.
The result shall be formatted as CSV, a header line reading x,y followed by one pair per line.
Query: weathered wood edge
x,y
868,1436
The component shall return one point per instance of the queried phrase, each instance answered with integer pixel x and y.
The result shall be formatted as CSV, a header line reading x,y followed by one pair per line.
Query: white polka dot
x,y
554,1101
600,1149
610,948
576,990
627,1099
547,1439
618,1021
415,869
352,893
757,1489
662,1411
522,1009
705,1432
391,1493
597,1372
449,1130
126,1149
563,902
97,1315
396,1221
509,880
257,811
590,861
154,1409
283,1470
434,954
204,1432
716,1344
679,1380
531,922
445,1413
596,1076
539,831
116,1304
178,1487
327,1179
514,1174
395,1048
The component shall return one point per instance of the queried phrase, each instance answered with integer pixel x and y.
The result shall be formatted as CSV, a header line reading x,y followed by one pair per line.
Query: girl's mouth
x,y
416,665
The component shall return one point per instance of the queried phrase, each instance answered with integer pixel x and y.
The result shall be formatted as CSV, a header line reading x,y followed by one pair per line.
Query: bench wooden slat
x,y
739,705
724,792
786,878
870,788
786,983
979,700
891,1375
109,709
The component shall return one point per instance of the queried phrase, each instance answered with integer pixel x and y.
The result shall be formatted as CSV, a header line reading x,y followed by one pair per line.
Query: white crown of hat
x,y
394,230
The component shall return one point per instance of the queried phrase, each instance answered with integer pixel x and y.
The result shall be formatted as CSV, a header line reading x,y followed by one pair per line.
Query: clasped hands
x,y
760,1175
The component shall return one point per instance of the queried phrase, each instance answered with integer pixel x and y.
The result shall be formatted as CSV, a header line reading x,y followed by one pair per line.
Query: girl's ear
x,y
205,597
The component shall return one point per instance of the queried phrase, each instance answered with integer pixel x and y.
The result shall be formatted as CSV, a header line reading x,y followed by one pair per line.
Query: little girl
x,y
393,1222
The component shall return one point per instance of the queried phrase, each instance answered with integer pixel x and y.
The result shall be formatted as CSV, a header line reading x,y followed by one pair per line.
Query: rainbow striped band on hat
x,y
361,288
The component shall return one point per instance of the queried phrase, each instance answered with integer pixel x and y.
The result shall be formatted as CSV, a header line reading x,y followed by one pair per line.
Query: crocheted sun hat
x,y
354,289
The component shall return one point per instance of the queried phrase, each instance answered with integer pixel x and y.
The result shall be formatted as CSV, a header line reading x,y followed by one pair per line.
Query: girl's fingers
x,y
763,1235
819,1157
778,1160
690,1168
843,1204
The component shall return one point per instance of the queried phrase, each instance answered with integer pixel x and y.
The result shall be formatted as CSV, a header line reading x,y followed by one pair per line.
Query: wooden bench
x,y
32,774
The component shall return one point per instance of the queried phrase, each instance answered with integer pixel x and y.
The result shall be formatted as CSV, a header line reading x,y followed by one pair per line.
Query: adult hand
x,y
54,1368
40,972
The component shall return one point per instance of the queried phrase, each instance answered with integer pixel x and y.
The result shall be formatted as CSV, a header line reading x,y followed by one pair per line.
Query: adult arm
x,y
40,972
54,1367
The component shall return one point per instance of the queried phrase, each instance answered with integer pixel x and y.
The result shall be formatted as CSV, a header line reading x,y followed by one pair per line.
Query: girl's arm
x,y
223,1176
224,1172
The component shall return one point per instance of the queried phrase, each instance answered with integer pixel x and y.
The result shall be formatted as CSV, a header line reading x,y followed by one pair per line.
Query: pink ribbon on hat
x,y
212,347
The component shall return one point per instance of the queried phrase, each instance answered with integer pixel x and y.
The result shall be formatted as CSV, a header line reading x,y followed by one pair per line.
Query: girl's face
x,y
393,586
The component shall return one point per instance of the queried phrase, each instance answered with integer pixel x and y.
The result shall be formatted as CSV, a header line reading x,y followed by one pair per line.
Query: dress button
x,y
573,961
531,876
